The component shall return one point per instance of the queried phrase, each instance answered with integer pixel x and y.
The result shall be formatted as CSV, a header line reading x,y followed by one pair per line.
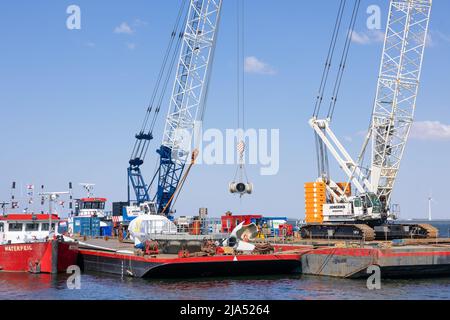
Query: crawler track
x,y
428,230
364,232
338,231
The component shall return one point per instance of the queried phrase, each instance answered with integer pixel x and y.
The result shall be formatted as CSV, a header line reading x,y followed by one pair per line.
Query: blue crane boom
x,y
196,47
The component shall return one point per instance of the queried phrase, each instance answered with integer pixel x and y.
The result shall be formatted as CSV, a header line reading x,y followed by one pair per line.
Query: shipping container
x,y
95,227
118,208
273,224
87,226
106,231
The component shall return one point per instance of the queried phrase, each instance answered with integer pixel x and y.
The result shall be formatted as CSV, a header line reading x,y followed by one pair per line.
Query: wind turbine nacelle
x,y
241,188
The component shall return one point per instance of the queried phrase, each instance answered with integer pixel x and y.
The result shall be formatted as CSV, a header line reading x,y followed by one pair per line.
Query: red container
x,y
286,230
196,228
229,222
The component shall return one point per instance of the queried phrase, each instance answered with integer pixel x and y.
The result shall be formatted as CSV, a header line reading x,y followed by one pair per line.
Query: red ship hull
x,y
42,257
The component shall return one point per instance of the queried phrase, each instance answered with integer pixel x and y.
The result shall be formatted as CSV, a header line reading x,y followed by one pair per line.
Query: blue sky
x,y
72,100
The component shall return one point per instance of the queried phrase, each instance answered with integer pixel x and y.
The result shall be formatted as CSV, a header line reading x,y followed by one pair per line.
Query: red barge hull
x,y
40,257
142,267
402,262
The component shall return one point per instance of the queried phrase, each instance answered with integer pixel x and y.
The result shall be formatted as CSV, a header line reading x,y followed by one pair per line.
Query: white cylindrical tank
x,y
143,227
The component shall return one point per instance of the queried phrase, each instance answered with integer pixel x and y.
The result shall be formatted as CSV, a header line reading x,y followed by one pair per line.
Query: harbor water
x,y
94,287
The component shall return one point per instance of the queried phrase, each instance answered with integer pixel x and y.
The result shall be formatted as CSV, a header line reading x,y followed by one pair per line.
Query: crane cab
x,y
358,207
132,212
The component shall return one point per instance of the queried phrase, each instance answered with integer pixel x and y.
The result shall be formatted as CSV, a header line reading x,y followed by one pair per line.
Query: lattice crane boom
x,y
186,106
398,84
190,89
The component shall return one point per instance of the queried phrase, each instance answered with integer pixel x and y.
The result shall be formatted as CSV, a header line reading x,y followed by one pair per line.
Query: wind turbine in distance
x,y
430,201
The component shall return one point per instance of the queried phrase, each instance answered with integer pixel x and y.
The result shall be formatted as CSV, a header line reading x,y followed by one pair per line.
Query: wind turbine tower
x,y
430,200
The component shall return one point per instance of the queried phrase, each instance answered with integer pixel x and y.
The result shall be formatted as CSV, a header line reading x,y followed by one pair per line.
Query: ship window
x,y
93,205
15,227
2,227
32,227
98,205
87,205
44,226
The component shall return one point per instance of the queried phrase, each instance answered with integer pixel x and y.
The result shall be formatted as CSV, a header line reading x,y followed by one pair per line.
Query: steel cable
x,y
343,61
329,58
140,145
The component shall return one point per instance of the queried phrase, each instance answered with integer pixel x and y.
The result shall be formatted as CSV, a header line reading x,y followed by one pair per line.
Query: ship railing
x,y
199,226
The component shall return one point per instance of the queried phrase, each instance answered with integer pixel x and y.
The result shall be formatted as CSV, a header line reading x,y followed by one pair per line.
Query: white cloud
x,y
362,133
130,28
139,23
365,38
124,28
131,46
435,38
430,131
430,40
360,38
254,65
348,138
441,36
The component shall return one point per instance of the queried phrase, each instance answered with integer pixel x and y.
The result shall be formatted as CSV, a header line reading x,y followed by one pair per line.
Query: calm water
x,y
97,286
46,287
